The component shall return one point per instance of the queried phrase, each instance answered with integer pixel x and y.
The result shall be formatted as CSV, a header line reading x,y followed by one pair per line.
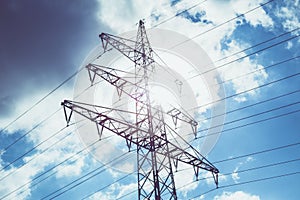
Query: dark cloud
x,y
42,42
7,106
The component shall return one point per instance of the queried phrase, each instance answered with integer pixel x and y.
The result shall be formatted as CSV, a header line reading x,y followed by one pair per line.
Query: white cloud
x,y
289,45
115,191
211,41
288,14
289,18
122,16
256,18
210,180
235,175
184,177
36,163
236,196
249,159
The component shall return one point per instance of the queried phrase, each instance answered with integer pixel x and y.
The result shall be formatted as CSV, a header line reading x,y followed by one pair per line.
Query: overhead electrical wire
x,y
125,195
28,132
254,104
259,152
178,14
249,90
252,154
245,56
257,44
250,116
33,148
223,23
282,147
47,149
251,123
197,107
83,178
42,99
116,181
250,181
29,151
55,166
226,174
264,68
39,145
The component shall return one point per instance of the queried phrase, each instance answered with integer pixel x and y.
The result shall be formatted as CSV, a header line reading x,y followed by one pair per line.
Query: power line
x,y
245,56
258,152
254,104
243,171
241,156
264,68
116,181
250,116
248,90
263,151
250,181
28,132
75,73
253,153
43,121
247,170
257,44
55,134
53,167
263,166
223,23
42,99
255,122
83,178
33,148
42,152
237,157
178,14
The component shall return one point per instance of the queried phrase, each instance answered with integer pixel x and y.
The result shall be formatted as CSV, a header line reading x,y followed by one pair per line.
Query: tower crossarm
x,y
120,83
140,137
177,114
125,46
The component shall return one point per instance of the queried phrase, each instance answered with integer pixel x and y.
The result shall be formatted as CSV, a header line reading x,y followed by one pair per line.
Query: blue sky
x,y
44,42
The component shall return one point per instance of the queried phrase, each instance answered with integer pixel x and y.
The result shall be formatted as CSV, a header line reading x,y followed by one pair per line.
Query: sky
x,y
254,47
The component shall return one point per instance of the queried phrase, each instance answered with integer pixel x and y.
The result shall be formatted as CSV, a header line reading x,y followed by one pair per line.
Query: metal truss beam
x,y
127,131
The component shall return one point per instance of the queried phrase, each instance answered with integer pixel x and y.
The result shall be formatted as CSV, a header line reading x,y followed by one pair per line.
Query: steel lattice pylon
x,y
156,155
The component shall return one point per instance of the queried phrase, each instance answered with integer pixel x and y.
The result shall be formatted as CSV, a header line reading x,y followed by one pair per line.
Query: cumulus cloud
x,y
61,146
289,15
236,196
115,191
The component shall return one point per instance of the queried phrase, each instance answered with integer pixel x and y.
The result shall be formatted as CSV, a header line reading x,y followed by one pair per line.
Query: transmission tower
x,y
156,155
